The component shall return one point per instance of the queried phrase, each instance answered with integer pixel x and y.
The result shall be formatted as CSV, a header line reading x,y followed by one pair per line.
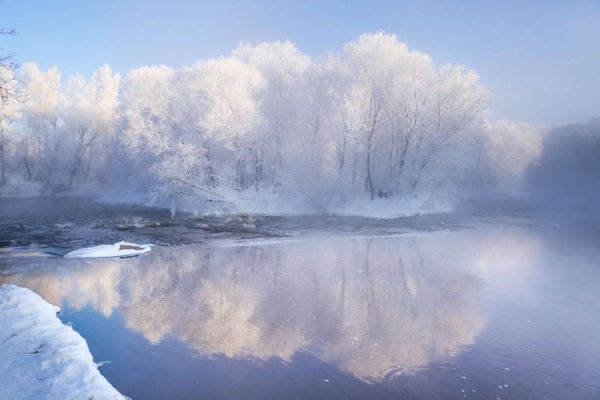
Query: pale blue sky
x,y
540,59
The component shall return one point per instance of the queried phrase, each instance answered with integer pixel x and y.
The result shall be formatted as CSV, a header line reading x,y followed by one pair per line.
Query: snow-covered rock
x,y
40,357
120,249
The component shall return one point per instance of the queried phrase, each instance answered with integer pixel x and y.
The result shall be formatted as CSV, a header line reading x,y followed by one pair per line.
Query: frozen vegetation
x,y
269,129
42,358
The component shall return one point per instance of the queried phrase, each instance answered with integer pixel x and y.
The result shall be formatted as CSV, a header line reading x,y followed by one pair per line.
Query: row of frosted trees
x,y
374,120
58,137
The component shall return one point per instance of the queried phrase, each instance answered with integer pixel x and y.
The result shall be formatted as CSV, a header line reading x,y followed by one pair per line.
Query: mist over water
x,y
356,317
567,175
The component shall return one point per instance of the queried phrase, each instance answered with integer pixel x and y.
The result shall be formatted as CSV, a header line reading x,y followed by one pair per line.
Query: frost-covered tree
x,y
194,123
402,112
40,139
151,132
509,149
91,110
7,97
8,113
282,67
223,98
373,120
62,134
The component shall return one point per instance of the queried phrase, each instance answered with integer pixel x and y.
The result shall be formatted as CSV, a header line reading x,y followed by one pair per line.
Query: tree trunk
x,y
27,168
374,108
369,180
2,159
2,164
418,177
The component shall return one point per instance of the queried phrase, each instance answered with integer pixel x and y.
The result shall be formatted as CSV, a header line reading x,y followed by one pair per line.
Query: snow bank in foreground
x,y
120,249
42,358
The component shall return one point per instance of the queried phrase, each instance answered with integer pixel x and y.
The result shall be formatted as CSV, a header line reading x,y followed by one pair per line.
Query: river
x,y
494,305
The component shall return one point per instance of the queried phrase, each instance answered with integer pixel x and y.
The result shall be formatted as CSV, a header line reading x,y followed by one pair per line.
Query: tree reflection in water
x,y
374,307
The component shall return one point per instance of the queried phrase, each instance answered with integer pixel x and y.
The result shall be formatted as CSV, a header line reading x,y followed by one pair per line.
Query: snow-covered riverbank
x,y
40,357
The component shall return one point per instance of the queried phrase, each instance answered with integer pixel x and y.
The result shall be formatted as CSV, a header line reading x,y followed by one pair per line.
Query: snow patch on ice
x,y
120,249
40,357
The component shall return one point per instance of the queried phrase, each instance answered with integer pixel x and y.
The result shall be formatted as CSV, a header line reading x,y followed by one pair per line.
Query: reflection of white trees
x,y
366,305
371,306
91,284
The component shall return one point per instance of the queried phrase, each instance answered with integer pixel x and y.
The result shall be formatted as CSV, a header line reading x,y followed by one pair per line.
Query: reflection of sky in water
x,y
370,306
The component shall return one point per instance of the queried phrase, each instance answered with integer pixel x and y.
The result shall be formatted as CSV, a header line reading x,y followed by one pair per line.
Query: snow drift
x,y
40,357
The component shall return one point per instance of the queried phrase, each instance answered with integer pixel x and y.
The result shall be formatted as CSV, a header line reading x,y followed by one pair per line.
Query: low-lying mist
x,y
567,174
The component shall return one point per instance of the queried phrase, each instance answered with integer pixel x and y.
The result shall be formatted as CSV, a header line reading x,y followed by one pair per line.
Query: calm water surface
x,y
495,309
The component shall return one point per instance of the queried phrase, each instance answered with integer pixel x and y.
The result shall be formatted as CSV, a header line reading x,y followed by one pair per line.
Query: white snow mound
x,y
120,249
40,357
